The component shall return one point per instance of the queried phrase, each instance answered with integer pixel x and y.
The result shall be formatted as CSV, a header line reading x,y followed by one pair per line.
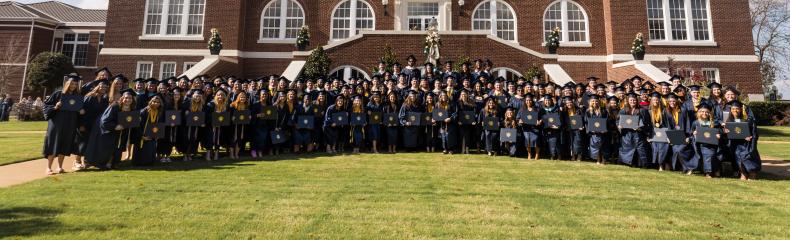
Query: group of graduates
x,y
402,108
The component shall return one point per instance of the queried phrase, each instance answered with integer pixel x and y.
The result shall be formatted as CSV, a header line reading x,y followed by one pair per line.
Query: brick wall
x,y
127,65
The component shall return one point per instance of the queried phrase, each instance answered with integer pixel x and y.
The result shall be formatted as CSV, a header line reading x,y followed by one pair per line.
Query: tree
x,y
770,21
10,58
47,70
317,64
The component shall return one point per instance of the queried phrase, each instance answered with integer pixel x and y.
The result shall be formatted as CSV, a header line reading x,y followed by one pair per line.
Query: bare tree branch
x,y
10,60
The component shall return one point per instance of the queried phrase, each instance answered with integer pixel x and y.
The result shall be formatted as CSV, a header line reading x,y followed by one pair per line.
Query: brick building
x,y
162,38
29,29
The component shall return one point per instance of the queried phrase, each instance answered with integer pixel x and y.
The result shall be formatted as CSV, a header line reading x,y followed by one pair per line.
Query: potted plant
x,y
553,41
215,42
303,38
638,47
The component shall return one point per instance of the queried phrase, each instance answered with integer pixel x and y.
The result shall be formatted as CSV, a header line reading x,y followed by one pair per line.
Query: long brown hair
x,y
238,104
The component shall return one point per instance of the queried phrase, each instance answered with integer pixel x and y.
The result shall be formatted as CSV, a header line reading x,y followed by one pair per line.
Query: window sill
x,y
172,38
683,43
278,41
572,44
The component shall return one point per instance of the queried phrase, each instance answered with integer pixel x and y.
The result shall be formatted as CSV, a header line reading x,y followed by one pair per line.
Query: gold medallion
x,y
339,119
529,117
706,134
658,134
173,117
628,121
195,118
278,136
491,123
507,134
221,118
597,124
551,120
376,117
738,130
359,118
468,117
573,122
440,114
268,112
72,102
129,118
306,121
413,118
241,117
155,130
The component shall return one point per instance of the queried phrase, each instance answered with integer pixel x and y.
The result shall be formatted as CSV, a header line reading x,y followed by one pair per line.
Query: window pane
x,y
69,37
364,17
341,21
196,10
699,15
83,37
423,9
294,20
655,19
552,19
677,14
154,21
68,50
481,18
175,10
168,70
271,21
81,55
577,28
144,70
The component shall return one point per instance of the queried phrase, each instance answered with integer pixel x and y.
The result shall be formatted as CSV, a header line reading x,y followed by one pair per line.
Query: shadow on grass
x,y
27,221
222,163
772,133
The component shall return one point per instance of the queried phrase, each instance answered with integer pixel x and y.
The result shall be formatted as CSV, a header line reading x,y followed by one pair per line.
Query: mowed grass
x,y
21,141
403,196
774,133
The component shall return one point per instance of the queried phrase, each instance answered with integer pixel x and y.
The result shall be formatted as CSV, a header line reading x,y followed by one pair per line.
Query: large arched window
x,y
347,71
496,16
668,20
281,19
570,17
351,16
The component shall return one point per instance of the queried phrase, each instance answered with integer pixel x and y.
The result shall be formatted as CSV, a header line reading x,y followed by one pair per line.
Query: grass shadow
x,y
222,163
28,221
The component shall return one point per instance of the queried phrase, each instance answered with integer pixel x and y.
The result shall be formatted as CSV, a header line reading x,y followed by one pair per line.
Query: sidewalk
x,y
23,172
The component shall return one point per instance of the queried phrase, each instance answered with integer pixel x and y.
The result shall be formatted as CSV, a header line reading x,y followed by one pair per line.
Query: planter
x,y
552,50
639,56
214,51
301,47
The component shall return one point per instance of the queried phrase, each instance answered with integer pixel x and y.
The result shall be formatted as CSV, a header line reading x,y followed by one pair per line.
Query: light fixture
x,y
385,3
460,2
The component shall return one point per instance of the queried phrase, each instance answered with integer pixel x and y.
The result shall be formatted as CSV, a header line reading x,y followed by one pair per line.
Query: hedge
x,y
768,113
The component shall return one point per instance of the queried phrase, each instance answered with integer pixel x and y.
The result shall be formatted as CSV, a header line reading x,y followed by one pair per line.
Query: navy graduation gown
x,y
745,152
467,133
411,134
105,145
61,128
532,133
373,130
681,153
261,128
597,141
392,131
301,136
491,138
575,138
659,150
145,151
448,132
551,136
94,107
705,152
634,142
333,133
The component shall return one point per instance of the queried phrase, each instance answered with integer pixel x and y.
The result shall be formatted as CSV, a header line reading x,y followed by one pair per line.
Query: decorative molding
x,y
277,41
683,43
172,38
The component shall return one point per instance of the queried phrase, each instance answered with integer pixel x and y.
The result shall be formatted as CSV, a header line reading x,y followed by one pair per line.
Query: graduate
x,y
375,105
358,132
105,151
238,131
411,134
467,132
575,137
216,136
262,127
333,131
320,105
612,145
532,133
303,137
634,142
284,112
705,152
490,137
676,119
744,150
95,102
660,150
392,130
61,125
145,151
448,131
429,130
551,134
190,136
509,121
597,141
173,102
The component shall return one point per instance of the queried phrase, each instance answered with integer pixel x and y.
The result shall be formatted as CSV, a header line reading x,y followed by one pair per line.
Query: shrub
x,y
770,113
47,70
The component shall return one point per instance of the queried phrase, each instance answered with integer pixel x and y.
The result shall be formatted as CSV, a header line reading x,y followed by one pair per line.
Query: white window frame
x,y
347,72
186,64
141,63
690,41
76,43
501,71
352,18
283,18
564,26
162,69
494,17
424,19
162,35
716,73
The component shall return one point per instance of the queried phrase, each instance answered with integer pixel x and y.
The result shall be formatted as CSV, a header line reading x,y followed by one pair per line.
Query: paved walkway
x,y
18,173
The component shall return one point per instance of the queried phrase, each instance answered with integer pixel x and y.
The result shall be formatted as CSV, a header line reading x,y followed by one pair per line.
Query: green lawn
x,y
774,134
21,141
403,196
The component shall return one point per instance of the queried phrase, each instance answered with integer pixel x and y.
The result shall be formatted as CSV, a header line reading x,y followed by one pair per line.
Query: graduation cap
x,y
121,77
664,84
411,57
676,77
680,88
568,86
548,96
592,78
600,86
529,95
655,95
736,103
184,77
104,69
672,96
177,89
139,80
152,81
567,99
637,77
129,91
714,85
73,77
610,98
704,105
632,95
222,90
610,82
428,64
595,96
695,87
619,89
648,84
